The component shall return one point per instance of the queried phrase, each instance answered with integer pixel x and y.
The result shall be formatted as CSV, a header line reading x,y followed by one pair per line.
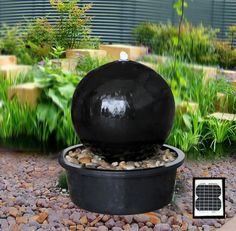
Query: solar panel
x,y
208,197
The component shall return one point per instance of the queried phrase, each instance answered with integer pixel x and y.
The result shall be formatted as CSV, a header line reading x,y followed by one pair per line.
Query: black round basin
x,y
121,192
123,110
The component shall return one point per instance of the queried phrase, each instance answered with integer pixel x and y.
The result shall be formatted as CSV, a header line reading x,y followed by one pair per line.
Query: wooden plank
x,y
7,60
69,64
27,93
221,104
231,75
223,116
114,50
187,107
77,53
13,71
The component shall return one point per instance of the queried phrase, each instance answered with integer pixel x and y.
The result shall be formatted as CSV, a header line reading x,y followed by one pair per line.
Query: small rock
x,y
130,165
105,218
14,227
162,227
176,228
11,220
85,160
42,203
127,227
145,228
83,220
120,224
116,229
164,218
206,228
110,223
114,164
184,226
153,218
178,220
13,211
198,222
149,224
42,217
128,219
96,220
91,229
90,217
73,228
80,227
75,216
141,218
134,227
217,225
21,220
68,222
4,224
102,228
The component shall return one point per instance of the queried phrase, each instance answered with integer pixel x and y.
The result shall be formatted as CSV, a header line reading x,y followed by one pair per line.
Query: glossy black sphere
x,y
123,110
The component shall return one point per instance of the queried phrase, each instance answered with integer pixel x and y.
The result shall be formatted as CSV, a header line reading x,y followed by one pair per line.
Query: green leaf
x,y
67,90
187,121
48,114
57,99
42,111
177,7
52,118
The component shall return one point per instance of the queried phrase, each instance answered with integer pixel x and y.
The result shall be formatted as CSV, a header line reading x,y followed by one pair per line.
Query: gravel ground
x,y
30,200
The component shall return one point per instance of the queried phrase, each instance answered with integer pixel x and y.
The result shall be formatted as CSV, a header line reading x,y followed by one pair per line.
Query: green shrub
x,y
88,63
62,181
11,42
156,36
195,43
189,130
226,56
72,29
39,37
35,41
219,131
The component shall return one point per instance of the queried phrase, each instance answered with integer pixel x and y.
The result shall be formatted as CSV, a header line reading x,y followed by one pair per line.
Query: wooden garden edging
x,y
114,50
26,93
9,69
7,60
68,64
77,53
223,116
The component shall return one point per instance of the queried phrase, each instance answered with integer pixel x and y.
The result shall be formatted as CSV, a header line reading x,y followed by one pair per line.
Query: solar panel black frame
x,y
223,196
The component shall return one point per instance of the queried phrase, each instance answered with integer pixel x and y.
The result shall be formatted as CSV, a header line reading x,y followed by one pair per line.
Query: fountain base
x,y
121,192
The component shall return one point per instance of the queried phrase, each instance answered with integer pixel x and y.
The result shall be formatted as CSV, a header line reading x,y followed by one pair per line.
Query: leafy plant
x,y
35,41
195,44
219,131
72,29
58,88
88,63
232,34
15,119
39,37
62,181
226,56
187,131
11,43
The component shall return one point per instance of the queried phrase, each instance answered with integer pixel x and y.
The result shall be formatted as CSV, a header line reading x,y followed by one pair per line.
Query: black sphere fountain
x,y
123,111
